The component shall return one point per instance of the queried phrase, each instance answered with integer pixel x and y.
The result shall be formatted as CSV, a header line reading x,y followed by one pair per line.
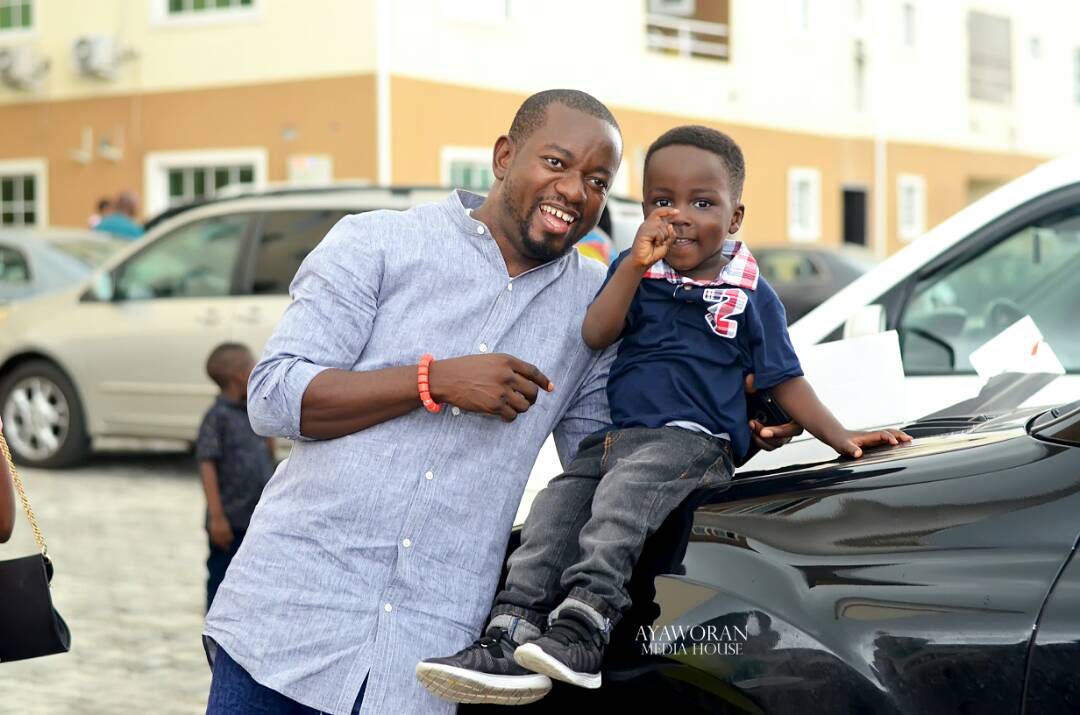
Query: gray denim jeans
x,y
586,529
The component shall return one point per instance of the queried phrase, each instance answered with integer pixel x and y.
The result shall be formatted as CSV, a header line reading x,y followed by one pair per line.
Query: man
x,y
121,221
380,540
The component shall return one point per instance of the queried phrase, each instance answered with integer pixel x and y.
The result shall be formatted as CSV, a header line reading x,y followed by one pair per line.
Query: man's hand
x,y
773,436
221,534
653,238
851,443
498,384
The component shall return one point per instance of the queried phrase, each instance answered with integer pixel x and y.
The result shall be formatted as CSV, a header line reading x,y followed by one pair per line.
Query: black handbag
x,y
29,625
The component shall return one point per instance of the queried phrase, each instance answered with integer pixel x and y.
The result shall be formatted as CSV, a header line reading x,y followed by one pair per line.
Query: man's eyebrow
x,y
561,149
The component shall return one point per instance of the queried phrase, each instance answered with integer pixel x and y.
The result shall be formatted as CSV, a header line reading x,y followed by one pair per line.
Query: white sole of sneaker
x,y
459,685
534,658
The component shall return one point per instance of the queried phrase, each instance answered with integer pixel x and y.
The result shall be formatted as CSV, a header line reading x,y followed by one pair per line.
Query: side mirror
x,y
102,288
867,320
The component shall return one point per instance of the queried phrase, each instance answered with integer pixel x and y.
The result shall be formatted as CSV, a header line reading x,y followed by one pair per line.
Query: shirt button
x,y
406,543
387,607
483,347
455,411
509,286
429,476
479,229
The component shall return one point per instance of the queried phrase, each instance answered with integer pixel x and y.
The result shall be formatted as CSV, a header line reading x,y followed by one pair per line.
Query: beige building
x,y
862,120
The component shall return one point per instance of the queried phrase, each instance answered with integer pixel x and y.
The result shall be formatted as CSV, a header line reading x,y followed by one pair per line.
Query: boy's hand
x,y
221,534
653,238
852,443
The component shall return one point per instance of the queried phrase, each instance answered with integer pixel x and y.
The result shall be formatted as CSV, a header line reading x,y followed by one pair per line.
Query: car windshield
x,y
89,252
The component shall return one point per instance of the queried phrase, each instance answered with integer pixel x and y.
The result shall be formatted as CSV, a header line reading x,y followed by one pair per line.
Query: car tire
x,y
57,409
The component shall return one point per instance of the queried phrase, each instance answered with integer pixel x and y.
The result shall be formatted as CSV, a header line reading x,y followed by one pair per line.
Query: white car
x,y
119,360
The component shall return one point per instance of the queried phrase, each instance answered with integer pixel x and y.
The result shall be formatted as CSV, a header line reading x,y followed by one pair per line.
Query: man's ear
x,y
502,156
737,219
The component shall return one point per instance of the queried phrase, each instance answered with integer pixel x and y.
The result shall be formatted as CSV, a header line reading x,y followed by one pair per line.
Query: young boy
x,y
695,318
234,462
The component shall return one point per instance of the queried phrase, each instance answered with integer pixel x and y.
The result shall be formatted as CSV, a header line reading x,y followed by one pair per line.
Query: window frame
x,y
916,182
811,231
160,17
22,33
39,169
156,167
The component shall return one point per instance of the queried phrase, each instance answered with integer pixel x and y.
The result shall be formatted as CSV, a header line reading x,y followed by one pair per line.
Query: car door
x,y
955,305
282,241
145,350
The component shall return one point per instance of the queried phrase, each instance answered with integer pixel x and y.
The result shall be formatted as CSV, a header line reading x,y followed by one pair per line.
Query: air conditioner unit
x,y
682,8
95,56
21,67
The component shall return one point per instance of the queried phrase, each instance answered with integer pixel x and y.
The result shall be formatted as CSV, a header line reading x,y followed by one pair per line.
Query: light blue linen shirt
x,y
372,551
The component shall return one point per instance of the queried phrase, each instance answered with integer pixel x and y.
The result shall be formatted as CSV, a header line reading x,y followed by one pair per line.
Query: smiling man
x,y
381,539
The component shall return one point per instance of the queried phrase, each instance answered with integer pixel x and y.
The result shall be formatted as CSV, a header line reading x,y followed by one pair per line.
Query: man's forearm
x,y
606,317
798,399
339,402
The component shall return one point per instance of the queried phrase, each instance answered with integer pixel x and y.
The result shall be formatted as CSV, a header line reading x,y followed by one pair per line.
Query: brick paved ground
x,y
126,536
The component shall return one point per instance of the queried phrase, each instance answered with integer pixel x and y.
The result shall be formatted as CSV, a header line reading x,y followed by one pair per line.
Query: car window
x,y
13,266
286,239
194,261
1032,272
785,266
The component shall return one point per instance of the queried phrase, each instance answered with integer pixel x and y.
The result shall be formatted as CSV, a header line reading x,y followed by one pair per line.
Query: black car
x,y
936,577
804,276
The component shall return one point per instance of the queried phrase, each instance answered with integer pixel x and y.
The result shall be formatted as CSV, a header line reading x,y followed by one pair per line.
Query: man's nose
x,y
571,186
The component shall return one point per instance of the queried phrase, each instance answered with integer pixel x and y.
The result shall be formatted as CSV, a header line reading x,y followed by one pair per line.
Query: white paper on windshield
x,y
1018,348
861,380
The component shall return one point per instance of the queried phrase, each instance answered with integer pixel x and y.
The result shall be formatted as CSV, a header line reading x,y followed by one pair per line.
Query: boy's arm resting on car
x,y
798,399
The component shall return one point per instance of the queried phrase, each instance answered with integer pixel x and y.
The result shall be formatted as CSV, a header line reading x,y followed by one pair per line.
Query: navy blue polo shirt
x,y
688,345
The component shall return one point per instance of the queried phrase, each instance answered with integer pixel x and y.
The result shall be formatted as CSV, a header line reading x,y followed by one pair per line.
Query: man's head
x,y
103,205
127,204
229,366
700,172
553,170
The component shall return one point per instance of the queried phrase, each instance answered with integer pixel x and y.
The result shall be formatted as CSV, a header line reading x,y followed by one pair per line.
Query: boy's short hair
x,y
533,111
710,140
225,360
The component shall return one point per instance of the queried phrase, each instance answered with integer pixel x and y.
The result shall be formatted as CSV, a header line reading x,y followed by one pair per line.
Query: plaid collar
x,y
741,271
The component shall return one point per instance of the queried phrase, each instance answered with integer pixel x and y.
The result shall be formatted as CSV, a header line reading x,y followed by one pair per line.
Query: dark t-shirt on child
x,y
688,345
244,465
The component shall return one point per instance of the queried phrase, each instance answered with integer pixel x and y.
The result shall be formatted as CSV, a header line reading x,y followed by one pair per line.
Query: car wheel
x,y
43,418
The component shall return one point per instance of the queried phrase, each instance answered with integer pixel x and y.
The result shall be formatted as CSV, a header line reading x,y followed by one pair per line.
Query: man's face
x,y
555,183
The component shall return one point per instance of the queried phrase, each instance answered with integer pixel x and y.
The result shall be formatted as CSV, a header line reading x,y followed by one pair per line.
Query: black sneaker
x,y
570,651
485,672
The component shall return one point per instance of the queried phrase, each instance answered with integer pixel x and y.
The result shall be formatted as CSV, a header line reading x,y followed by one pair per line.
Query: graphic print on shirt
x,y
726,303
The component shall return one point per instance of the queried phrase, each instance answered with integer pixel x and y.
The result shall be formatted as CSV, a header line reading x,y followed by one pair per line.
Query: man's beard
x,y
530,247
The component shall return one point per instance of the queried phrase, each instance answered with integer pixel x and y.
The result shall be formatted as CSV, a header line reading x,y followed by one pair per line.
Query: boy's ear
x,y
737,219
502,156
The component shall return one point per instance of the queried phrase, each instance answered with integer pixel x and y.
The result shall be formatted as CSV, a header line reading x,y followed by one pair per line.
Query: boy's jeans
x,y
587,528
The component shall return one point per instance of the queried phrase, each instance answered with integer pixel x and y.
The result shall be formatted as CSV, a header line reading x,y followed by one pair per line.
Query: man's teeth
x,y
558,214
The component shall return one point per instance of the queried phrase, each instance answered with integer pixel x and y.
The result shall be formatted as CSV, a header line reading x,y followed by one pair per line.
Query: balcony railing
x,y
686,37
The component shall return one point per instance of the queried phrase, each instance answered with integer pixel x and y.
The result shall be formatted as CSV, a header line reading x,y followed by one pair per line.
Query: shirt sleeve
x,y
588,411
208,445
335,295
772,355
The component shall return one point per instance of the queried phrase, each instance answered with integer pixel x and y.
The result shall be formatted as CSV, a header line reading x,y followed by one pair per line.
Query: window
x,y
13,266
195,183
804,204
286,239
194,261
989,58
908,23
16,15
23,193
911,203
179,7
779,266
177,178
467,168
688,28
1031,272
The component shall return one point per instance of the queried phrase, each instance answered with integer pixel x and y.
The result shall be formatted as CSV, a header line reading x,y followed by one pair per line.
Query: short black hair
x,y
533,111
710,140
225,360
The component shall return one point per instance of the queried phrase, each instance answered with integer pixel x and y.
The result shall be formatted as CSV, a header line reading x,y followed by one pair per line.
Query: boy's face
x,y
697,183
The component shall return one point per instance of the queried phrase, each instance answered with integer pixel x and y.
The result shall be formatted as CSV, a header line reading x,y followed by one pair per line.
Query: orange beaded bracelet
x,y
424,385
